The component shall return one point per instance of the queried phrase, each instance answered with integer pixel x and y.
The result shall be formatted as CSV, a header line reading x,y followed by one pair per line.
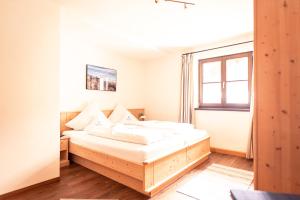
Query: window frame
x,y
223,105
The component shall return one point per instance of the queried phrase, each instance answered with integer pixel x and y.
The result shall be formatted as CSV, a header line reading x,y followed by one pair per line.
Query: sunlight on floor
x,y
216,181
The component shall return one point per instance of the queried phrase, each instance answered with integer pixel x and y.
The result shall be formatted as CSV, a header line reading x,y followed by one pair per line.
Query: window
x,y
225,82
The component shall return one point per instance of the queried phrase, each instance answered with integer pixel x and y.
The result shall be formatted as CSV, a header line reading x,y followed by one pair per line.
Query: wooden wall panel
x,y
277,95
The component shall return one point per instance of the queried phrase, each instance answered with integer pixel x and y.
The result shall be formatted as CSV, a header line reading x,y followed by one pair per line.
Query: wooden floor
x,y
80,183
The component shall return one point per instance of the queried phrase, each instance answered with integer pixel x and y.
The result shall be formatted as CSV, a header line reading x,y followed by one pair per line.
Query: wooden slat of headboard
x,y
67,116
107,112
64,118
137,112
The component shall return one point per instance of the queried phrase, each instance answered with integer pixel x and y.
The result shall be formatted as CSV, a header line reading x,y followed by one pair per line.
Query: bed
x,y
145,168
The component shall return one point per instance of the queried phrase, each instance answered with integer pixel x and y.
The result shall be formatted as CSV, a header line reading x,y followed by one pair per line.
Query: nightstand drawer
x,y
63,145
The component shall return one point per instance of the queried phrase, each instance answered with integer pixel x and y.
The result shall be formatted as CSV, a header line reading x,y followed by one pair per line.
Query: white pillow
x,y
128,118
84,118
98,122
121,114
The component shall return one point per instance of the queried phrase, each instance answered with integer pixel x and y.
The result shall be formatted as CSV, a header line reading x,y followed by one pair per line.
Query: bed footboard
x,y
148,178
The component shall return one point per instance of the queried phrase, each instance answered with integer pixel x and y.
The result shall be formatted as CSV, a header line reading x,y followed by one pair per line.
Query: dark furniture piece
x,y
259,195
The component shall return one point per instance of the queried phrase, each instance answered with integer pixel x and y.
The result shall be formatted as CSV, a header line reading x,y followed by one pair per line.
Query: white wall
x,y
77,50
163,88
228,129
29,85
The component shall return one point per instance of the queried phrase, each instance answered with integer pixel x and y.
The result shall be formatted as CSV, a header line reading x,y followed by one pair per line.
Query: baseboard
x,y
6,195
228,152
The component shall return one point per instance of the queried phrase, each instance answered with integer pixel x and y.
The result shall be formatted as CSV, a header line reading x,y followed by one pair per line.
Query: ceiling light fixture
x,y
185,3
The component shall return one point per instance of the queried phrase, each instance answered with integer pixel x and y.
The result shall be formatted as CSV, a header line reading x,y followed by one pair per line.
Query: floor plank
x,y
80,183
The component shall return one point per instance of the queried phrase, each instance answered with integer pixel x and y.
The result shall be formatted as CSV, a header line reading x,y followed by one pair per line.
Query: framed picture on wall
x,y
101,78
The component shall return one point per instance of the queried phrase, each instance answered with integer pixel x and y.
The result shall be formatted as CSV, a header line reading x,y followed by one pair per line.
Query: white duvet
x,y
146,132
138,134
161,124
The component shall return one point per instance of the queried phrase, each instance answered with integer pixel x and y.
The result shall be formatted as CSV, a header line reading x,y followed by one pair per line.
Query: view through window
x,y
225,82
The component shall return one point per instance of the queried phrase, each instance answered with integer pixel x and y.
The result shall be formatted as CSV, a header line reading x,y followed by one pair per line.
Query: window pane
x,y
237,69
212,93
237,92
212,72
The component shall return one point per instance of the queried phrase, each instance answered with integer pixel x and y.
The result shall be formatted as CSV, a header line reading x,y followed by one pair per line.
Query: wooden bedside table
x,y
64,151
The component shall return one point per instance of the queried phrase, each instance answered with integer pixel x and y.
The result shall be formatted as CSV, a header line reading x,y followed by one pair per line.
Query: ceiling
x,y
142,28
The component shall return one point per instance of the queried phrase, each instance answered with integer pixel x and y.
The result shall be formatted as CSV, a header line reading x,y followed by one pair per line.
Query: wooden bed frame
x,y
149,177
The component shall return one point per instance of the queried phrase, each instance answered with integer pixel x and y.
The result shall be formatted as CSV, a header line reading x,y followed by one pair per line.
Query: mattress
x,y
132,152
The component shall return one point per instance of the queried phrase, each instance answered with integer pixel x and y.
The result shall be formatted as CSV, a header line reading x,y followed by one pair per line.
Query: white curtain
x,y
249,153
187,92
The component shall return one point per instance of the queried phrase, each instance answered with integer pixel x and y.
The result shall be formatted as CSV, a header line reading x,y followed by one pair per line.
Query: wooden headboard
x,y
67,116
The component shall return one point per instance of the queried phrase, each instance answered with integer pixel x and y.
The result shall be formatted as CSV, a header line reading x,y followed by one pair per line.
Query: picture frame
x,y
101,78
